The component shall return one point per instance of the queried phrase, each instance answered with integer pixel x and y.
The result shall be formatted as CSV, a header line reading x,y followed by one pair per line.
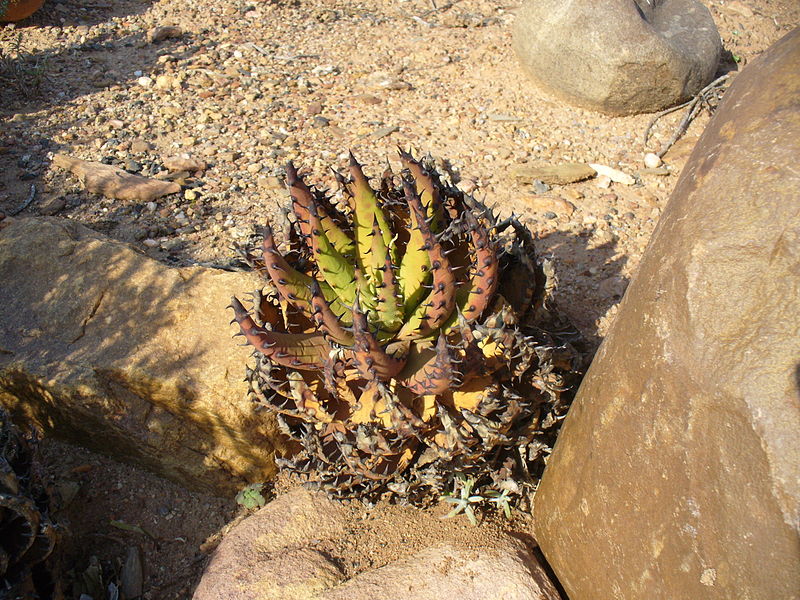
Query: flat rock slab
x,y
676,474
553,174
274,554
113,182
618,56
271,555
109,349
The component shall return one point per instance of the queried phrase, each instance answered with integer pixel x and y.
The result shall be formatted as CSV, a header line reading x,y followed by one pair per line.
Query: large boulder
x,y
109,349
282,552
618,56
677,471
274,553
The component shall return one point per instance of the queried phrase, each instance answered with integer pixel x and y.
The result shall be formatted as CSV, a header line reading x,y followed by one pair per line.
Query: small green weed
x,y
251,496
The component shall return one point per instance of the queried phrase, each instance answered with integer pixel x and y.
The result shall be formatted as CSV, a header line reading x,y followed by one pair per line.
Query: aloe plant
x,y
27,535
405,334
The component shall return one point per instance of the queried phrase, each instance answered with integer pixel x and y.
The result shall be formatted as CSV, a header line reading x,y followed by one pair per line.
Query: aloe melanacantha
x,y
406,336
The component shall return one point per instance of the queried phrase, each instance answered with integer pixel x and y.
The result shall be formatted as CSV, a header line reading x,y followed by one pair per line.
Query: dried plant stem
x,y
695,105
27,202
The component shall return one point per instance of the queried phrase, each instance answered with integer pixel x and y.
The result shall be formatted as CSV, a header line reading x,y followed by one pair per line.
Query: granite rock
x,y
618,56
676,471
109,349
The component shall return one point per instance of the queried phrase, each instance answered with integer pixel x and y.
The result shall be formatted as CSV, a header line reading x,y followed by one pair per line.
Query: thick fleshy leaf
x,y
367,211
337,271
371,359
414,273
293,287
303,202
427,186
297,350
440,303
474,297
325,318
428,372
389,305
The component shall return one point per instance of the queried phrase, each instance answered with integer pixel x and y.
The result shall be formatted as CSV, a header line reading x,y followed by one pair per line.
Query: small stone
x,y
159,34
604,182
132,166
184,162
550,204
368,99
164,82
254,167
113,182
150,243
270,183
652,160
383,132
540,187
53,206
228,156
468,185
385,81
320,122
314,108
739,8
191,195
140,147
116,124
613,286
660,172
648,196
614,175
502,118
145,81
151,207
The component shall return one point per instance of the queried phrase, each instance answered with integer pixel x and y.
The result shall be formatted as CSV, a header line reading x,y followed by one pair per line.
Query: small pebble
x,y
145,81
164,82
158,34
652,160
314,108
140,146
540,187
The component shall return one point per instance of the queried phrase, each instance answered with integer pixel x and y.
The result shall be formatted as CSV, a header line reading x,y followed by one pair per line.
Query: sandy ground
x,y
247,86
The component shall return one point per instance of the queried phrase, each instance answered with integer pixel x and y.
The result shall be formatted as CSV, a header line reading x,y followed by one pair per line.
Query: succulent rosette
x,y
405,336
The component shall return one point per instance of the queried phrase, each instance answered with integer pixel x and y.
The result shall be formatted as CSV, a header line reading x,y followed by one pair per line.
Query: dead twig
x,y
695,105
25,204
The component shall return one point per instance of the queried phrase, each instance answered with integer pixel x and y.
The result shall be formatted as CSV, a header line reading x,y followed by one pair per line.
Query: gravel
x,y
243,87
